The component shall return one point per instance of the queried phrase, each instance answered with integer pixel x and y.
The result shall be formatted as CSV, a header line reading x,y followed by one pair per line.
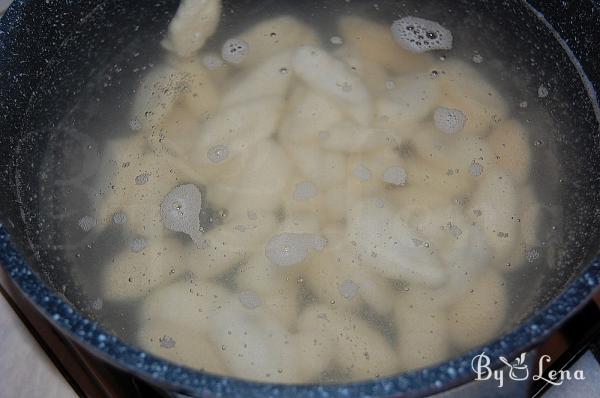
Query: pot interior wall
x,y
75,94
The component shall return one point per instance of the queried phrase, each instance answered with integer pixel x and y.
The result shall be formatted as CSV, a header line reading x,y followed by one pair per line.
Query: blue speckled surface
x,y
414,383
196,383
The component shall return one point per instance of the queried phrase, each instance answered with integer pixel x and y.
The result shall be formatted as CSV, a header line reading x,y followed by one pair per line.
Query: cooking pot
x,y
53,53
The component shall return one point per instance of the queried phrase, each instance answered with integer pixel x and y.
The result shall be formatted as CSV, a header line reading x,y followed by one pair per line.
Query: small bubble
x,y
166,342
120,218
250,300
348,289
87,223
336,40
135,124
97,304
362,172
235,51
476,170
142,179
395,175
212,62
284,71
324,135
218,153
477,58
138,245
523,104
543,91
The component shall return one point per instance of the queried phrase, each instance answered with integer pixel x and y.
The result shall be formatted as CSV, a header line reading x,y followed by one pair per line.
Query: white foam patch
x,y
336,40
135,124
475,169
234,51
348,289
449,121
120,218
218,153
289,249
138,245
142,179
305,190
420,35
180,211
395,175
87,223
362,172
250,300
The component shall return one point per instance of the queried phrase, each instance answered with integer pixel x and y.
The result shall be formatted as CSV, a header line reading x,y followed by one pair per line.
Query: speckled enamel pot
x,y
32,34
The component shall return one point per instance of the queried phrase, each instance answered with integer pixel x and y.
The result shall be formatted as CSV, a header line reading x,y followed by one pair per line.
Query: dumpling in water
x,y
293,202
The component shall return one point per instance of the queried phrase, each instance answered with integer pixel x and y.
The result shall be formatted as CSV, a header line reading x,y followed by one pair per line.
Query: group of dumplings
x,y
338,185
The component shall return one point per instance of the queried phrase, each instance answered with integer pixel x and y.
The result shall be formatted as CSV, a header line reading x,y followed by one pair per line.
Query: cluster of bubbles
x,y
218,153
395,175
180,211
420,35
234,51
305,190
289,249
449,121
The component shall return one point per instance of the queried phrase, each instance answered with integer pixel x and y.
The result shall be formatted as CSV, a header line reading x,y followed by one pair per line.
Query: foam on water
x,y
336,40
234,51
289,249
250,300
449,121
218,153
348,289
362,172
87,223
420,35
120,218
212,62
180,211
138,245
142,179
395,175
475,169
135,124
305,190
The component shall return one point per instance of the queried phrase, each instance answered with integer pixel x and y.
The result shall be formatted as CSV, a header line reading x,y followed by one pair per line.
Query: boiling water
x,y
297,201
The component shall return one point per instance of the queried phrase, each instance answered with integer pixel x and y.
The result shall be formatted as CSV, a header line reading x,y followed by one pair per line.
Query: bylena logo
x,y
518,370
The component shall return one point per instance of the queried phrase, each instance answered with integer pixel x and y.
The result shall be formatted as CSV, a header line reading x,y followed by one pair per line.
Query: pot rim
x,y
420,382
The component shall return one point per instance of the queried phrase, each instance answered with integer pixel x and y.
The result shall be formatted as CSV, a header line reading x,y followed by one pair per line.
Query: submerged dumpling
x,y
354,206
194,22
